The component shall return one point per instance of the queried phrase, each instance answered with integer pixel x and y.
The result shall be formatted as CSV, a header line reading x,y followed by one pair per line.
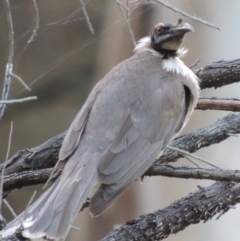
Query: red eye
x,y
162,28
159,29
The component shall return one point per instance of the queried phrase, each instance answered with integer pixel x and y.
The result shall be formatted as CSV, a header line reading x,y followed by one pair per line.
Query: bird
x,y
128,119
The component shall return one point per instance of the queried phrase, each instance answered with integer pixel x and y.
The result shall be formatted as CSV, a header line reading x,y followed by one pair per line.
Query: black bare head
x,y
167,38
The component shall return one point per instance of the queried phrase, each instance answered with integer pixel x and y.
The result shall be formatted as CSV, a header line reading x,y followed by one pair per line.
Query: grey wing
x,y
74,132
152,122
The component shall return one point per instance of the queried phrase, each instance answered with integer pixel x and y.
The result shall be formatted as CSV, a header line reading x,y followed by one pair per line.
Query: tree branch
x,y
218,74
194,173
40,157
29,178
218,104
197,207
25,178
203,137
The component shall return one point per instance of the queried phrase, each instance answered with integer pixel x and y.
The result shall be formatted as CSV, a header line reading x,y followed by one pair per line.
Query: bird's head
x,y
167,38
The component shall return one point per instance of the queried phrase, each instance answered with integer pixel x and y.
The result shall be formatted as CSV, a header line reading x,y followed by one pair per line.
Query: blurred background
x,y
64,61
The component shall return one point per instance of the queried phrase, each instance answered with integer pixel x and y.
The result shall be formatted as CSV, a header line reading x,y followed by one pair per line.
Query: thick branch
x,y
39,157
26,178
203,137
219,74
197,207
218,104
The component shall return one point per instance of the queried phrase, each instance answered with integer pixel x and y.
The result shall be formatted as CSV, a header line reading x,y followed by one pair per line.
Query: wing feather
x,y
74,133
151,124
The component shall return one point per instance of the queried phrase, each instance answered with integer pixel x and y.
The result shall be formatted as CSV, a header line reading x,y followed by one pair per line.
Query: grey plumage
x,y
124,125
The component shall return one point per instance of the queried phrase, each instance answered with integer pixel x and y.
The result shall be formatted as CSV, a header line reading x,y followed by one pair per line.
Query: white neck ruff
x,y
172,64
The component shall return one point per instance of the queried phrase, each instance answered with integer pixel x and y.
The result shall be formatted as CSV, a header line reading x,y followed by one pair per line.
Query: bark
x,y
216,174
197,207
218,104
219,73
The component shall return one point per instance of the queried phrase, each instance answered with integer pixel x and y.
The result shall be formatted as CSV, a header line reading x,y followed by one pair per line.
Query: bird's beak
x,y
181,28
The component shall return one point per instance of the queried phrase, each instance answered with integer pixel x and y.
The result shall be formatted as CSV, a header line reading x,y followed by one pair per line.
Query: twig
x,y
127,22
121,3
21,81
194,173
190,160
87,17
6,87
75,228
29,203
4,165
195,63
31,199
11,32
36,27
9,65
10,208
235,135
218,104
186,153
18,100
169,6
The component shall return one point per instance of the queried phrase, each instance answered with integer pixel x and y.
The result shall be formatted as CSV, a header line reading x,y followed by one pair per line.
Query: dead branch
x,y
40,157
218,74
199,206
18,100
9,65
194,173
37,20
89,24
25,178
202,205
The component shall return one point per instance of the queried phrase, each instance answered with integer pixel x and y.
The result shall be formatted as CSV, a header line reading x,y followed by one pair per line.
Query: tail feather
x,y
104,198
54,212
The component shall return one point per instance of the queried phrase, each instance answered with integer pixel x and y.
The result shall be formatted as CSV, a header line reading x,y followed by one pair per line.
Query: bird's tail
x,y
52,215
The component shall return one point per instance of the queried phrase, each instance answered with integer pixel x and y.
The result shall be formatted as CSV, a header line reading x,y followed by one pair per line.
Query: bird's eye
x,y
161,28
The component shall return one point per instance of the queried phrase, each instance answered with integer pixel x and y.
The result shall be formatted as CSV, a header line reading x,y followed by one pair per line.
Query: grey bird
x,y
123,127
